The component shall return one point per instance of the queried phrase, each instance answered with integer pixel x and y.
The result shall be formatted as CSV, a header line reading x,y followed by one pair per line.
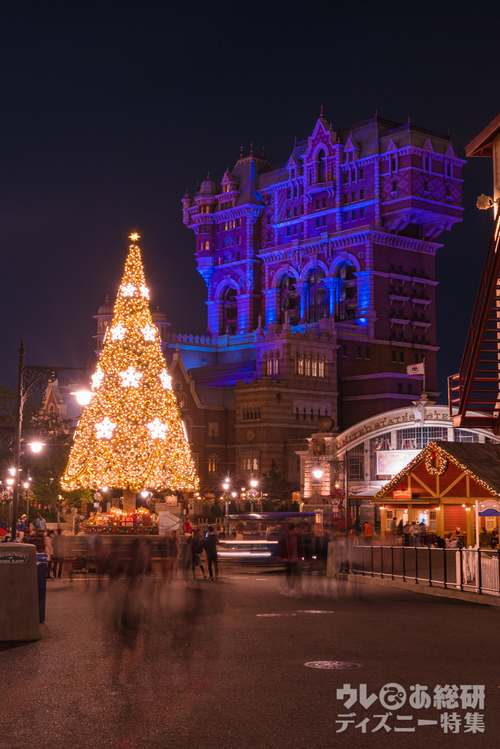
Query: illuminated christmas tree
x,y
131,435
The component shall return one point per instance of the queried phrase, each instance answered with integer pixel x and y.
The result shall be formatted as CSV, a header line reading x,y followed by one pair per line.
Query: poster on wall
x,y
391,462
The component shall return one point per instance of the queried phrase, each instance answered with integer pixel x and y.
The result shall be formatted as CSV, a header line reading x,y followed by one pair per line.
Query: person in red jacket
x,y
368,533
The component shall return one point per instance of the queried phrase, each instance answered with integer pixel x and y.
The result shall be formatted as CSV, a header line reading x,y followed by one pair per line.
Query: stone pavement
x,y
210,672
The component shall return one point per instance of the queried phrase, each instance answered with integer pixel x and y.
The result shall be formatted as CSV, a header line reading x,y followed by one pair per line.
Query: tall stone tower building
x,y
320,290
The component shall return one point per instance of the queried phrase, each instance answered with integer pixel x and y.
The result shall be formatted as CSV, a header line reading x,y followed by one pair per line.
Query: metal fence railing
x,y
474,570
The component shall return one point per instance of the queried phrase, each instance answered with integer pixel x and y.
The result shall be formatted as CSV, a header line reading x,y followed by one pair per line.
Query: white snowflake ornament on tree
x,y
97,378
157,429
128,289
105,429
117,332
166,380
149,332
130,378
145,291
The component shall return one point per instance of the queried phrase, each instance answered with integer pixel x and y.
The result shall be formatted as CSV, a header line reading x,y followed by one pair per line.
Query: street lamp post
x,y
253,492
27,487
225,486
31,380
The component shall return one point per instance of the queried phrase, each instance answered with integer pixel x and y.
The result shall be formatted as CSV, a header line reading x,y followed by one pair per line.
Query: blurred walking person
x,y
173,549
368,534
196,552
210,546
58,556
289,553
49,550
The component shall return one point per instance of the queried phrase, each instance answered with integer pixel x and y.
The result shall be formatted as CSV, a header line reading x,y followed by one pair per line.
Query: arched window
x,y
321,166
213,459
183,401
289,301
317,296
230,311
300,364
347,291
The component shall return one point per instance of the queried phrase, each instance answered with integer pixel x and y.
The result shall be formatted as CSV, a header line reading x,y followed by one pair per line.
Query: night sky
x,y
111,110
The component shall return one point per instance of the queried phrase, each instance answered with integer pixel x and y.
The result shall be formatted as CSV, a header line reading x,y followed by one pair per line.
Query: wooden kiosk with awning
x,y
442,484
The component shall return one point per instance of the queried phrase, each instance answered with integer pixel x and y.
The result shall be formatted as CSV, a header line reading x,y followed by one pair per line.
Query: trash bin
x,y
41,569
19,616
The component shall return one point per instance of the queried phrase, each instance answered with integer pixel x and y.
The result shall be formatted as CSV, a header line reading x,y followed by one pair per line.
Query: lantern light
x,y
83,396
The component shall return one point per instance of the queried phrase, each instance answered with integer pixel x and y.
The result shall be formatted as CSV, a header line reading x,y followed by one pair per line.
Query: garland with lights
x,y
432,447
131,435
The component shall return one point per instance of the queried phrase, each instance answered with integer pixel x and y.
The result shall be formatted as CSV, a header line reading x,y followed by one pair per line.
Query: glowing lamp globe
x,y
253,483
36,446
317,473
83,396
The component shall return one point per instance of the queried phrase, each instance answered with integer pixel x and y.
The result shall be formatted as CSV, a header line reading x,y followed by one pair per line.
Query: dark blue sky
x,y
110,110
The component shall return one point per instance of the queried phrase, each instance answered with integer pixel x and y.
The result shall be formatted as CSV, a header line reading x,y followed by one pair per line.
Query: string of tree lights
x,y
131,435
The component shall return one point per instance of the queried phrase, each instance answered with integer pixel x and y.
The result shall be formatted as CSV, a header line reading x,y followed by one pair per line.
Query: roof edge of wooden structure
x,y
481,145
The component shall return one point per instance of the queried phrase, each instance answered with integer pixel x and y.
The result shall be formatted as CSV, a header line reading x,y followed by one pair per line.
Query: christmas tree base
x,y
129,503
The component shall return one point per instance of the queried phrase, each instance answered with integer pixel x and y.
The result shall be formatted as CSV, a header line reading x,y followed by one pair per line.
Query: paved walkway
x,y
207,671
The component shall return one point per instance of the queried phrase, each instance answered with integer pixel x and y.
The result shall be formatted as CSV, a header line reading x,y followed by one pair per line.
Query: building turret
x,y
160,320
103,317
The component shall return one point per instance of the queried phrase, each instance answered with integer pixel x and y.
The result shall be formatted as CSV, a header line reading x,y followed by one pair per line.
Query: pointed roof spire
x,y
241,152
409,121
321,112
295,142
187,195
208,175
264,152
376,113
252,152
